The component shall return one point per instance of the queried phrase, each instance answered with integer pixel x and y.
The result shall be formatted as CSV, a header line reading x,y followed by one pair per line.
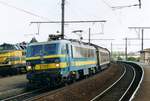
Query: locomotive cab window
x,y
42,50
64,49
50,49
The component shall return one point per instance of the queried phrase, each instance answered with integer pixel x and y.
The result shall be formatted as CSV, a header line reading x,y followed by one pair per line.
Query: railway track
x,y
35,98
125,87
26,95
35,94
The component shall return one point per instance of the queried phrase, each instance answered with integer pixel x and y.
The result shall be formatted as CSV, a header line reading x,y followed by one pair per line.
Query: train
x,y
12,59
62,61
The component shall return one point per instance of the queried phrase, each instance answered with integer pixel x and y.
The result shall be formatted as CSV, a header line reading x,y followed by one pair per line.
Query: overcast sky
x,y
16,16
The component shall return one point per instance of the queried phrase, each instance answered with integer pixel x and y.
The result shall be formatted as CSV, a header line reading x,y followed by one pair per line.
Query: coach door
x,y
68,55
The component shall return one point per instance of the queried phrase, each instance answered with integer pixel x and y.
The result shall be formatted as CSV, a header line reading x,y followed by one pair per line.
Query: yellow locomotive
x,y
12,59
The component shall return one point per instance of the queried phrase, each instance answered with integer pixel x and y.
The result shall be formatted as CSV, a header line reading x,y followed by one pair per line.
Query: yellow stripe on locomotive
x,y
64,64
50,66
12,57
49,56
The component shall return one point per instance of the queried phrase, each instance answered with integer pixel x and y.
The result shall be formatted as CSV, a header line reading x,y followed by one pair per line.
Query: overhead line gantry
x,y
142,32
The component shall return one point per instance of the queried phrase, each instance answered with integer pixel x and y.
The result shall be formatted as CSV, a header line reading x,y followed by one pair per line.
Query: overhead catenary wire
x,y
122,45
106,4
76,10
138,39
120,7
100,39
85,21
23,10
123,6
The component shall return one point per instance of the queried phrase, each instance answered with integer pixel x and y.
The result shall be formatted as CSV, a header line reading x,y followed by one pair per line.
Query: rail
x,y
129,85
140,68
132,88
23,95
110,86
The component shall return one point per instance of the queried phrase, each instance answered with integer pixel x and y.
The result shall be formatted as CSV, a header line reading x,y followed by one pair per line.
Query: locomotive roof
x,y
49,42
70,41
9,47
73,42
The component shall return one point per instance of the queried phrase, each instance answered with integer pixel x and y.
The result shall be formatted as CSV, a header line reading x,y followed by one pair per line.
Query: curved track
x,y
124,88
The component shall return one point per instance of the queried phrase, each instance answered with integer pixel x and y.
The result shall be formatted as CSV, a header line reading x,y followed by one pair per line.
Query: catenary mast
x,y
62,18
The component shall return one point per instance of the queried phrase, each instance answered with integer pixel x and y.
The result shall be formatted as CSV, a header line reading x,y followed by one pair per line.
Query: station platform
x,y
143,93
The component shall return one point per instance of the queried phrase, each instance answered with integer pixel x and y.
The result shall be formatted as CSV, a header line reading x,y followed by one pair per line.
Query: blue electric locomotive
x,y
58,61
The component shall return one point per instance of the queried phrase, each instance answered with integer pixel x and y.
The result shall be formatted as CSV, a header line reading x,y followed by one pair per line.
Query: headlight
x,y
9,63
57,65
29,68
